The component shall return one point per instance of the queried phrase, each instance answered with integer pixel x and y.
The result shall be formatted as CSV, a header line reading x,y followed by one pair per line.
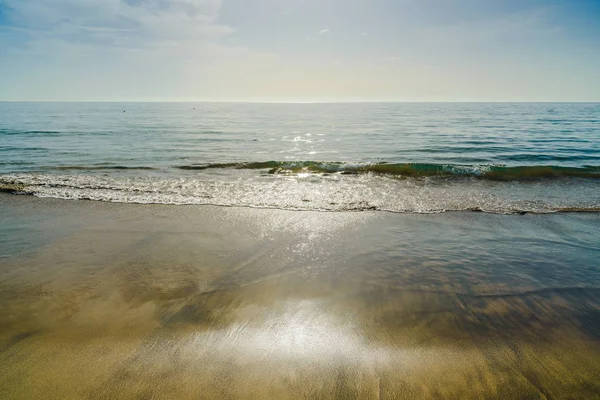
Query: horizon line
x,y
312,102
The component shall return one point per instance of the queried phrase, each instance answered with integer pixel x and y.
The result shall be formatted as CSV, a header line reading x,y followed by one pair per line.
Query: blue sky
x,y
300,50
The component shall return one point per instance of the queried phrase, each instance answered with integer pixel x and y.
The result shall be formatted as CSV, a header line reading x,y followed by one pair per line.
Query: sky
x,y
299,50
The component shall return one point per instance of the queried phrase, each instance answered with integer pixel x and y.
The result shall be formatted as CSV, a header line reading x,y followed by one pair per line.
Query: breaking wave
x,y
411,170
423,188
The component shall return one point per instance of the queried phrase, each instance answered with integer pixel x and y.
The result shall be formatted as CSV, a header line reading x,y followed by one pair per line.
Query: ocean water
x,y
106,299
424,158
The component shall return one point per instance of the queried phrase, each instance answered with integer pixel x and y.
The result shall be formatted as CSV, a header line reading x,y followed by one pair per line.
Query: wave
x,y
413,170
317,192
8,132
98,168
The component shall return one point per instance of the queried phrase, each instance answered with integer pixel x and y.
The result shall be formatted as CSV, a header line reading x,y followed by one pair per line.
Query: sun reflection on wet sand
x,y
194,302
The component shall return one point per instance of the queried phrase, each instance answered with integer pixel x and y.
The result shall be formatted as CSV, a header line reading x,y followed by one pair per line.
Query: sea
x,y
505,158
299,251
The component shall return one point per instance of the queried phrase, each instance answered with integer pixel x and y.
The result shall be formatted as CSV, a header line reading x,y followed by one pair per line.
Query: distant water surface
x,y
502,158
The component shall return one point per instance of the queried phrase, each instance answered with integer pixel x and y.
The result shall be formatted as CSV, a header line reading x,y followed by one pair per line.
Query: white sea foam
x,y
317,192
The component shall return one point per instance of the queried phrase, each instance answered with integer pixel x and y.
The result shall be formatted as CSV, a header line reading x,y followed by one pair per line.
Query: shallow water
x,y
149,301
424,158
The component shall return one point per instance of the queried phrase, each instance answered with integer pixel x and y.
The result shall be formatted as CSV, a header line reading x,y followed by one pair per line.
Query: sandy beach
x,y
104,301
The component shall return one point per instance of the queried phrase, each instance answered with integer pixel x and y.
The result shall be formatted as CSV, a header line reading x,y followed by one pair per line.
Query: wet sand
x,y
104,301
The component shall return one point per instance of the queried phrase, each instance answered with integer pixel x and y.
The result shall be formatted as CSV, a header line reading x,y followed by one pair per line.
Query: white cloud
x,y
118,23
324,31
120,50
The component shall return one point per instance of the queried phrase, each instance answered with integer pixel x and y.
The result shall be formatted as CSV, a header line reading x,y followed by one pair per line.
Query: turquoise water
x,y
502,158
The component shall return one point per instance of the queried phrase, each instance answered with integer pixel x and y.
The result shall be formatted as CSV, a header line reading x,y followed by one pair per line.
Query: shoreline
x,y
567,210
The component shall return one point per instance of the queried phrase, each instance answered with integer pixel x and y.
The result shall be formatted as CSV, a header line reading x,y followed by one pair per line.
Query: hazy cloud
x,y
240,49
133,23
